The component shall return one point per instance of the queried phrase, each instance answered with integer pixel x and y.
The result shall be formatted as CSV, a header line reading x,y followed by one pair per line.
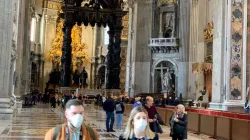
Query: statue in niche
x,y
169,24
167,81
80,75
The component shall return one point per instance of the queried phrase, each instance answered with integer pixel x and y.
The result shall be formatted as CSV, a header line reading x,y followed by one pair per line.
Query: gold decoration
x,y
209,32
125,24
198,68
78,48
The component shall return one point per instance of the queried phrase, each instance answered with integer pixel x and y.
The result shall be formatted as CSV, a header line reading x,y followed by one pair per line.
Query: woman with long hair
x,y
138,127
178,123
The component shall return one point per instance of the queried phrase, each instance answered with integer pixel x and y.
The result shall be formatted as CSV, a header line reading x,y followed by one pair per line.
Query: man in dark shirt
x,y
152,114
109,107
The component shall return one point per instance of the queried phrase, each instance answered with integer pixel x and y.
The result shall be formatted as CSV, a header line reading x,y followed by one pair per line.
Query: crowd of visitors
x,y
144,121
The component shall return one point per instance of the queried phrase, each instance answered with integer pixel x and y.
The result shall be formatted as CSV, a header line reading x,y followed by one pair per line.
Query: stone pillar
x,y
49,31
184,48
141,54
129,52
6,13
161,32
198,22
94,57
66,61
235,69
113,56
219,53
23,42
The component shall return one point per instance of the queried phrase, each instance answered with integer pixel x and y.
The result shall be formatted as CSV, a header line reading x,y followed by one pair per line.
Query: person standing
x,y
109,108
178,124
152,112
246,107
74,128
137,126
119,107
137,102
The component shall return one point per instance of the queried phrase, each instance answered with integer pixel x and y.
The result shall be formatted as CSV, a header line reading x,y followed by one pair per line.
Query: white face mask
x,y
77,120
140,125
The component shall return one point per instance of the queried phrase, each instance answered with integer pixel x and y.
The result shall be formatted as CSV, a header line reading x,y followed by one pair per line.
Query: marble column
x,y
141,54
95,57
220,47
23,51
235,69
184,33
161,32
114,55
129,52
48,25
198,22
66,60
6,37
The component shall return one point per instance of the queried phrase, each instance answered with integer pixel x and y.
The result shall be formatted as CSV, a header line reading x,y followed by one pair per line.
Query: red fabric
x,y
151,112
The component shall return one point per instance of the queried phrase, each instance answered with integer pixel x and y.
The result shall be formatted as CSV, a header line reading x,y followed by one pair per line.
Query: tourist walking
x,y
137,102
178,124
74,128
109,108
153,115
138,127
246,107
119,108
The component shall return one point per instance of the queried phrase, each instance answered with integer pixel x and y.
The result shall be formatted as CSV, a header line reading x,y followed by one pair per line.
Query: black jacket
x,y
155,138
180,128
122,106
109,105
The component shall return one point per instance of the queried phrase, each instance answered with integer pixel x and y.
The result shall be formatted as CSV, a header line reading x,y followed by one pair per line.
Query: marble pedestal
x,y
65,90
113,92
225,106
5,107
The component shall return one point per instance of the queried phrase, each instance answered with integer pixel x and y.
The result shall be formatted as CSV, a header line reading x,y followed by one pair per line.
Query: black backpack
x,y
58,128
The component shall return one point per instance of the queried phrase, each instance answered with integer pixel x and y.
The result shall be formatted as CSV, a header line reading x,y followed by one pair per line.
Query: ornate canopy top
x,y
101,12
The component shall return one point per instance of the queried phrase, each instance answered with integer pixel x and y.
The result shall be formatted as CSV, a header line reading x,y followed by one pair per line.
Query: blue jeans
x,y
247,110
110,116
119,121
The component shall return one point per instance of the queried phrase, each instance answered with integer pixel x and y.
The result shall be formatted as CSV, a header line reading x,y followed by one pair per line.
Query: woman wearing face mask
x,y
178,123
138,127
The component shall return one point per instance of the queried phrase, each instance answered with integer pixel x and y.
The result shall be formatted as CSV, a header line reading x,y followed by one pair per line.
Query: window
x,y
106,36
33,29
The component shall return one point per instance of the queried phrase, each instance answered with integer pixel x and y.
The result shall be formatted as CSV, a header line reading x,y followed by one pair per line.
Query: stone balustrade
x,y
164,45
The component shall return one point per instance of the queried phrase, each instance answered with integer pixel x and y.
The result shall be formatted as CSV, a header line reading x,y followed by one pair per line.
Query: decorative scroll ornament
x,y
198,68
209,32
165,2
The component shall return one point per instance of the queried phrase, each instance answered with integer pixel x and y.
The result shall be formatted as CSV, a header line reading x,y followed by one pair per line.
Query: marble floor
x,y
33,123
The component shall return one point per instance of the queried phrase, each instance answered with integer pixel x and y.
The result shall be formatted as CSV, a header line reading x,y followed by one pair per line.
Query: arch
x,y
174,62
175,66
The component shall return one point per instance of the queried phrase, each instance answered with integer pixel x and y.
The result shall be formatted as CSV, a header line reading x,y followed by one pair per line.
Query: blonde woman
x,y
138,127
178,123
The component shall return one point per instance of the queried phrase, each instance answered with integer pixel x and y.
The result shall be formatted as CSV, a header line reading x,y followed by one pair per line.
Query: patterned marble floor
x,y
33,123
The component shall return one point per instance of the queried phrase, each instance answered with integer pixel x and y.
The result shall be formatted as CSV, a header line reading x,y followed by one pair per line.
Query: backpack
x,y
89,129
118,107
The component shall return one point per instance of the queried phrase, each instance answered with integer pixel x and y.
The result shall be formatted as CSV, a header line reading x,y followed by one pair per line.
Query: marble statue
x,y
167,79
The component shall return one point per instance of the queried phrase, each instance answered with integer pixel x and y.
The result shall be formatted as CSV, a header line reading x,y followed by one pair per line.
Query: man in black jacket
x,y
109,107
